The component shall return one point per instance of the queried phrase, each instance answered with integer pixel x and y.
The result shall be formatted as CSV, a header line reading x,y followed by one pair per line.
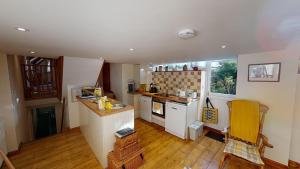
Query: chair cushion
x,y
243,150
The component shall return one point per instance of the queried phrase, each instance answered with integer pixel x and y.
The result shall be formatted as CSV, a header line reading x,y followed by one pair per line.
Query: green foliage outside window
x,y
223,77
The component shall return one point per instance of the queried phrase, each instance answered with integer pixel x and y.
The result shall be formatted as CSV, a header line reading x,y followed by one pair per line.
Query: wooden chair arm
x,y
6,160
264,143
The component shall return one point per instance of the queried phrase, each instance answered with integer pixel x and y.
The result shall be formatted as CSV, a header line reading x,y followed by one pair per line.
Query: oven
x,y
158,107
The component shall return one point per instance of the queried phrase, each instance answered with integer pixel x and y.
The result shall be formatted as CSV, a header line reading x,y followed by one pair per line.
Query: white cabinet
x,y
145,108
179,117
99,131
134,99
175,119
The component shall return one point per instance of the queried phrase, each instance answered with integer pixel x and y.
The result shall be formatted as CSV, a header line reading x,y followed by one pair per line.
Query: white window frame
x,y
213,94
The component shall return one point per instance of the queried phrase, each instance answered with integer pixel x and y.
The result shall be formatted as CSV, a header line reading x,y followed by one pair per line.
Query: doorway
x,y
44,122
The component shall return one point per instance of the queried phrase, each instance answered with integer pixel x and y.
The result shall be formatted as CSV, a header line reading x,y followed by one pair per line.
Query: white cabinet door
x,y
175,120
145,108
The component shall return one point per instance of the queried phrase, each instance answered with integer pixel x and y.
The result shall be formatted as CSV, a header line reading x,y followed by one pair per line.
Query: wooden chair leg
x,y
6,160
222,161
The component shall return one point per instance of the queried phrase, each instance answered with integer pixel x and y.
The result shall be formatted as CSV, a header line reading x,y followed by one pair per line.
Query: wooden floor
x,y
162,150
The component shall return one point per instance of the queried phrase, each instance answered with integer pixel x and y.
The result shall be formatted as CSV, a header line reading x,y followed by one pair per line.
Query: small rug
x,y
215,136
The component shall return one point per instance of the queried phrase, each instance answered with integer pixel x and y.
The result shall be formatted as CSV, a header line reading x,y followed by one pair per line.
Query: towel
x,y
244,120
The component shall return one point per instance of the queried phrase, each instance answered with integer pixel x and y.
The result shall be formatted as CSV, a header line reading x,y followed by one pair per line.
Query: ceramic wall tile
x,y
169,82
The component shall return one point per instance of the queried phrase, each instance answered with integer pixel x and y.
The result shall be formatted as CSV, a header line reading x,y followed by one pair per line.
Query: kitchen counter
x,y
94,107
169,98
99,126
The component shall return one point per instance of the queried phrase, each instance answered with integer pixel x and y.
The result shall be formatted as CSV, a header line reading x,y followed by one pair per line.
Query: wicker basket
x,y
132,162
123,152
124,141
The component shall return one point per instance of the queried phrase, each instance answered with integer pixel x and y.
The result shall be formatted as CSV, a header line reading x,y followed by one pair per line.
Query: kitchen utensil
x,y
182,93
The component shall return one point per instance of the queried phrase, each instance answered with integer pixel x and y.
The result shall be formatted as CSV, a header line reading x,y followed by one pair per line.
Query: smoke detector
x,y
187,33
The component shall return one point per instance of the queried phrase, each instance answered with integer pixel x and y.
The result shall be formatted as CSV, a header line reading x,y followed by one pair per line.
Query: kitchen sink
x,y
118,106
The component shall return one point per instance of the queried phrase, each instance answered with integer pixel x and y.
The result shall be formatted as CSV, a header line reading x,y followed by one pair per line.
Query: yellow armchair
x,y
244,138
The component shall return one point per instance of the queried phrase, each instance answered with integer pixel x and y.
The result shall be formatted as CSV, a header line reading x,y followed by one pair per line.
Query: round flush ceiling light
x,y
187,33
223,46
22,29
131,49
32,52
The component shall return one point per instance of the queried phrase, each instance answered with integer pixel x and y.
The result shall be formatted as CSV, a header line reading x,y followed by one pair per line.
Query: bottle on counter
x,y
100,105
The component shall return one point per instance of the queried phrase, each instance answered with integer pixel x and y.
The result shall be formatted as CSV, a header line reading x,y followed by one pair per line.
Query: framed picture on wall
x,y
264,72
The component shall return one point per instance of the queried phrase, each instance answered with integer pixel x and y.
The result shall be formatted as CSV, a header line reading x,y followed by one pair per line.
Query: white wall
x,y
116,79
295,146
136,75
17,93
145,75
127,74
6,106
78,72
119,76
278,96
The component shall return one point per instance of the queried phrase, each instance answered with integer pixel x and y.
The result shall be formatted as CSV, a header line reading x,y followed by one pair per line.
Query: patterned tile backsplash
x,y
169,82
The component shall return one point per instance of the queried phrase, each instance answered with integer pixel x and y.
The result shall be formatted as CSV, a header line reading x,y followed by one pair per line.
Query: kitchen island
x,y
99,126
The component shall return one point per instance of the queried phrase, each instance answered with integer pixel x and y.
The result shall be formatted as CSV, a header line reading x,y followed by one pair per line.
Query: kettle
x,y
153,89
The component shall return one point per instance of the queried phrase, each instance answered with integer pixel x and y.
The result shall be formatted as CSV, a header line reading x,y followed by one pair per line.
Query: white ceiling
x,y
91,28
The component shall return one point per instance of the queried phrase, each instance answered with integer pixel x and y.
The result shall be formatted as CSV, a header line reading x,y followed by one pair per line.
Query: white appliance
x,y
146,108
181,93
178,117
158,107
2,140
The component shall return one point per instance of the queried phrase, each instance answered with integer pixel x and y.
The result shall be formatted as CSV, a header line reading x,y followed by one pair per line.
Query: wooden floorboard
x,y
69,150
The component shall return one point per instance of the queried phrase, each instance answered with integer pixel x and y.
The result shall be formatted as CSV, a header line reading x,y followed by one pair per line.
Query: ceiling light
x,y
32,52
22,29
131,49
223,46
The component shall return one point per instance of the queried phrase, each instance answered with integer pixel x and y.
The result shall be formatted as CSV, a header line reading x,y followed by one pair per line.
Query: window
x,y
223,77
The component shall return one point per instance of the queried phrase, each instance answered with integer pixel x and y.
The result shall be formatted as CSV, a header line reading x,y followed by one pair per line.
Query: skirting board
x,y
212,129
274,164
69,129
12,153
294,164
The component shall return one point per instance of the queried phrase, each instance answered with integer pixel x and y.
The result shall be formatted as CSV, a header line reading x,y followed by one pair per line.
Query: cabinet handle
x,y
174,108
